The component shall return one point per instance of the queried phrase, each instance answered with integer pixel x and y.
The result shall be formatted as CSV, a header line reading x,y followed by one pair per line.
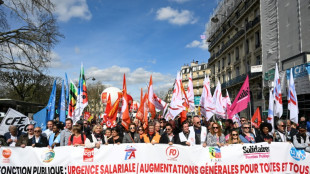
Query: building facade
x,y
234,36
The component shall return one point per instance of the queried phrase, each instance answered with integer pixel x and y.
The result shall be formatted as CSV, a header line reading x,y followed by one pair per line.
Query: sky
x,y
136,37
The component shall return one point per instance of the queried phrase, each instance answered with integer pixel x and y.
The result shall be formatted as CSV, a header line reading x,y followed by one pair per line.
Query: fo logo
x,y
172,153
130,153
6,153
48,156
298,155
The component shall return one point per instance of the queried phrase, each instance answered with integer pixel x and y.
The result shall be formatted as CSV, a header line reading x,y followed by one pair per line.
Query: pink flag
x,y
241,101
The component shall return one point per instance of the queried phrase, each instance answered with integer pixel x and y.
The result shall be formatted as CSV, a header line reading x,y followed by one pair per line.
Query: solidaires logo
x,y
298,155
48,156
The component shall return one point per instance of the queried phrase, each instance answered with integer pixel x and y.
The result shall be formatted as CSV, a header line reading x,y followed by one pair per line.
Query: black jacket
x,y
42,141
164,139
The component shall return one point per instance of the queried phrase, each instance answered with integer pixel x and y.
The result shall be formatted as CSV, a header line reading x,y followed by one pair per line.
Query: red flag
x,y
145,119
151,102
125,109
111,117
140,113
185,104
241,101
86,115
256,119
107,110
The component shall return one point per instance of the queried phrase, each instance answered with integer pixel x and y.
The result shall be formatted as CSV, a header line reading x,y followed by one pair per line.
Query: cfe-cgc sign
x,y
16,118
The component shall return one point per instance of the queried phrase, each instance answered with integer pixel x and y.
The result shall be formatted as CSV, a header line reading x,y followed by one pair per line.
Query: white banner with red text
x,y
160,158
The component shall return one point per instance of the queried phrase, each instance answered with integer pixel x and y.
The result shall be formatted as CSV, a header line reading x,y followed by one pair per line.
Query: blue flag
x,y
51,104
62,104
40,118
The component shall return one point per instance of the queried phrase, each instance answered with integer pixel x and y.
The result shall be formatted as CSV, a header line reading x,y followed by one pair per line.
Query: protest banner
x,y
159,158
16,118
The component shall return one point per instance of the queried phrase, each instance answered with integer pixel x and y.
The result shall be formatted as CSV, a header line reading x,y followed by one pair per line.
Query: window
x,y
223,78
197,83
229,76
218,66
199,68
258,60
228,59
247,49
223,63
194,68
237,71
257,39
237,53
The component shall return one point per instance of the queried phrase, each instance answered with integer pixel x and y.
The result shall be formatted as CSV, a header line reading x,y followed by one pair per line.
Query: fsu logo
x,y
130,153
215,154
48,156
88,155
172,153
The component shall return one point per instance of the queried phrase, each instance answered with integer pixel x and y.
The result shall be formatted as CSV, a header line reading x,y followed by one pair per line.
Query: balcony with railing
x,y
239,79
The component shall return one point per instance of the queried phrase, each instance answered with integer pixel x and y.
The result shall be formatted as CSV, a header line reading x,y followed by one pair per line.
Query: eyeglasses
x,y
168,129
30,129
242,120
198,122
132,128
234,134
140,130
37,131
246,127
215,127
282,125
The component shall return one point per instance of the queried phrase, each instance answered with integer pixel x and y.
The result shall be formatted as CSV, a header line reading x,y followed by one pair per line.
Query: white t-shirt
x,y
13,142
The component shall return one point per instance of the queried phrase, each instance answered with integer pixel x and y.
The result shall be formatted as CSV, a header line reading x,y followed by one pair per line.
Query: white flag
x,y
226,103
190,93
292,99
270,118
217,100
206,101
278,110
176,106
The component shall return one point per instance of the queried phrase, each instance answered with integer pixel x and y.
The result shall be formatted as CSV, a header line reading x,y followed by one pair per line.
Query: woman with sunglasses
x,y
131,136
141,133
234,138
215,137
246,136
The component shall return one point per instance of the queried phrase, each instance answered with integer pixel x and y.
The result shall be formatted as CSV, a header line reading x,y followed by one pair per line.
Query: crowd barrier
x,y
159,158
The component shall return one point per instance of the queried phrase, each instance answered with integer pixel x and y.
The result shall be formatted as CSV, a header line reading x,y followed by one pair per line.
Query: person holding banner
x,y
116,138
96,138
151,136
26,139
107,135
66,133
301,140
246,136
11,136
264,136
200,131
234,138
167,137
280,134
77,138
131,136
38,140
215,137
187,137
54,139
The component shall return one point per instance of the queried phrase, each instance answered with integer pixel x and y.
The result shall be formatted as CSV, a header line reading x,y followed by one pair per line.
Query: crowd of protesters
x,y
193,131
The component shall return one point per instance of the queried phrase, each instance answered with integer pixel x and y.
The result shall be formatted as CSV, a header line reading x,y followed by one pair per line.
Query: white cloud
x,y
67,9
179,1
200,44
55,61
176,17
134,79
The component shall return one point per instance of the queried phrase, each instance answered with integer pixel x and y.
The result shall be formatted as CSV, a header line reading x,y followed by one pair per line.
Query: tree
x,y
27,86
28,31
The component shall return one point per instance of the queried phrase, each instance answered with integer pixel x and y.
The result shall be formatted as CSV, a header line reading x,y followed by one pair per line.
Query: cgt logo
x,y
88,155
172,153
130,153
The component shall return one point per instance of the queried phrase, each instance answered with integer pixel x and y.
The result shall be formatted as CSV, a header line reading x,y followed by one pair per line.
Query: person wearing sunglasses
x,y
167,137
26,139
301,140
38,140
280,134
131,136
215,137
187,137
263,135
141,132
234,138
246,136
200,131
